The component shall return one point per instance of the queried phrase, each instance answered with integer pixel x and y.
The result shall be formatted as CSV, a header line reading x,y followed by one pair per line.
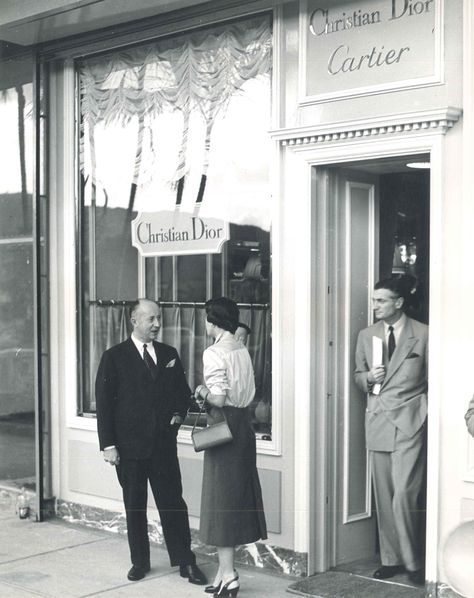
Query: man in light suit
x,y
395,426
142,397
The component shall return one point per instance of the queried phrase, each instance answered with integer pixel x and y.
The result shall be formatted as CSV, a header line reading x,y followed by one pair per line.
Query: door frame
x,y
302,149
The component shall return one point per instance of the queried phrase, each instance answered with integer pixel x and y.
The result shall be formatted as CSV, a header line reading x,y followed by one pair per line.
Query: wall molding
x,y
426,121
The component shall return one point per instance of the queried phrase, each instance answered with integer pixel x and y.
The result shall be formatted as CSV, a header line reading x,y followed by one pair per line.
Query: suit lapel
x,y
159,358
135,358
405,344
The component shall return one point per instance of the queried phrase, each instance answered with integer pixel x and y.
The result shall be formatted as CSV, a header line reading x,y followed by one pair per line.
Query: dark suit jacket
x,y
402,402
132,408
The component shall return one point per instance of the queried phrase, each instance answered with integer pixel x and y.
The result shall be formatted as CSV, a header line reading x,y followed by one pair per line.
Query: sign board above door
x,y
359,47
177,233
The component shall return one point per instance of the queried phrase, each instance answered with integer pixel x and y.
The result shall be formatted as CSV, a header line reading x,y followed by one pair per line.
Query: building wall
x,y
80,475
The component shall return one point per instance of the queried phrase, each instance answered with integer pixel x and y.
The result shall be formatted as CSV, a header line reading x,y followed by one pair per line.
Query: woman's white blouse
x,y
228,370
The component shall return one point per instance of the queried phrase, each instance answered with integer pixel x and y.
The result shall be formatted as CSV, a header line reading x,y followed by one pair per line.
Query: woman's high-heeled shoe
x,y
229,589
215,589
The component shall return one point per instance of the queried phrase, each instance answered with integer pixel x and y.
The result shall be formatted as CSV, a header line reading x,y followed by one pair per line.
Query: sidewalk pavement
x,y
56,559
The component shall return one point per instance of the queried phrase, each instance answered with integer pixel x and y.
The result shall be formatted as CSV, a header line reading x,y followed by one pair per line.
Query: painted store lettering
x,y
401,8
341,62
321,24
324,22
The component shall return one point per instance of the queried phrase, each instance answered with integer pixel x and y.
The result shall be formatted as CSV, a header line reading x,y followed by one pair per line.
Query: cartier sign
x,y
177,233
368,46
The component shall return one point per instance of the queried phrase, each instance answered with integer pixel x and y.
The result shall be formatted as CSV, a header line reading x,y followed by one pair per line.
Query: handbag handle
x,y
200,413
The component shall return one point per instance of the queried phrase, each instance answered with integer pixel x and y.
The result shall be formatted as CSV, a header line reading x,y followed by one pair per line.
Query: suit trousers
x,y
163,473
398,480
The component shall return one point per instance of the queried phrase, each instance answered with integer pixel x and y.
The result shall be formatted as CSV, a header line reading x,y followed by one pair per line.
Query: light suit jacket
x,y
402,401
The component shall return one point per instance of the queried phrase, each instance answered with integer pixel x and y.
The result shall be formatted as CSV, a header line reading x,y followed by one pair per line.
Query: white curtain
x,y
188,76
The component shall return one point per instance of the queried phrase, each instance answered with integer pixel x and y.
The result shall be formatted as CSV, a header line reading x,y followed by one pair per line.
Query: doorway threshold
x,y
339,584
354,580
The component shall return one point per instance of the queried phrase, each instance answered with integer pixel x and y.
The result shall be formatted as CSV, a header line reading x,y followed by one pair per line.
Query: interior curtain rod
x,y
107,302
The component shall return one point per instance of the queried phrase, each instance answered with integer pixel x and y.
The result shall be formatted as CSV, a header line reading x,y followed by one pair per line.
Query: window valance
x,y
197,71
193,75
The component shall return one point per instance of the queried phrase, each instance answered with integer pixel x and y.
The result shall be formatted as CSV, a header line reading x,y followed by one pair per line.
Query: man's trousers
x,y
398,479
162,471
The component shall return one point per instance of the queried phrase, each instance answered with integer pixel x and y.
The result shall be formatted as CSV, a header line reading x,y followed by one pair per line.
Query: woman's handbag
x,y
212,435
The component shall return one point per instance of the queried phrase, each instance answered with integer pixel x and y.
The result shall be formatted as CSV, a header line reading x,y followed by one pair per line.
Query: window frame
x,y
64,82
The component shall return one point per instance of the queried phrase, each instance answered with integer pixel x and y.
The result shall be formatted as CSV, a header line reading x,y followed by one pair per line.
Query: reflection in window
x,y
156,135
17,347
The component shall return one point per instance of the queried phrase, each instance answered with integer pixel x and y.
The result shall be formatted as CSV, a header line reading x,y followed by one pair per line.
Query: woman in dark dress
x,y
231,503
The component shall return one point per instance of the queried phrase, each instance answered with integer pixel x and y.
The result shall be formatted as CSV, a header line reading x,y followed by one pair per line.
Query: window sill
x,y
89,423
82,422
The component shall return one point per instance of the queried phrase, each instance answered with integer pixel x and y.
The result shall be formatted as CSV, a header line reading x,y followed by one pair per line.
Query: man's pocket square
x,y
412,356
171,363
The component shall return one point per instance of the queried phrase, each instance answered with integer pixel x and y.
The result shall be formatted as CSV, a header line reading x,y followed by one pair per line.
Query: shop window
x,y
17,289
180,124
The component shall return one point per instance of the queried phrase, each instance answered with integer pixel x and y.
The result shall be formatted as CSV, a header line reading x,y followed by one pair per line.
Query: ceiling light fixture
x,y
418,165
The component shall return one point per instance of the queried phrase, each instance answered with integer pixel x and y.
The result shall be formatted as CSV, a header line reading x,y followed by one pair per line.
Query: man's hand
x,y
176,420
111,455
376,375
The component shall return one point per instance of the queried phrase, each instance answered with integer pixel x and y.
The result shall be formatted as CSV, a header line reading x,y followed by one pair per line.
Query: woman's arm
x,y
204,394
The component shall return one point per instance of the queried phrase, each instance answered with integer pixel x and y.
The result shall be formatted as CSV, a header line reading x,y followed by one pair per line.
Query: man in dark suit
x,y
395,425
142,397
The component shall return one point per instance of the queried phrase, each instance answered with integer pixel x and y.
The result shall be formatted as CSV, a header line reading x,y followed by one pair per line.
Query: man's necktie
x,y
391,342
150,364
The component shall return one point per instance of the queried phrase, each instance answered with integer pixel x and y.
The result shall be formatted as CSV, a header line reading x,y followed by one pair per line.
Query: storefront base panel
x,y
440,590
263,556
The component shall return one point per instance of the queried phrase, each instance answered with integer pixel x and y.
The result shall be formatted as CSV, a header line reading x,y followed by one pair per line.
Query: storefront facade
x,y
287,154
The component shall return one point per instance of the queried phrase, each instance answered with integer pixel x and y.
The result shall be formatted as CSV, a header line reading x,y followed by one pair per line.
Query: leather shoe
x,y
193,573
137,573
386,571
417,577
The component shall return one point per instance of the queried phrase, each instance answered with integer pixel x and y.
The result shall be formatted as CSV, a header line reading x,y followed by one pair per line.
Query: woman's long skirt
x,y
231,500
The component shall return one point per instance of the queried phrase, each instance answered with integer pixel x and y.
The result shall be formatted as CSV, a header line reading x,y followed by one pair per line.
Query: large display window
x,y
178,124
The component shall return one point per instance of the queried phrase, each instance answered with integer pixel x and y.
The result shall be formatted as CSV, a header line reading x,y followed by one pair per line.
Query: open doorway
x,y
377,225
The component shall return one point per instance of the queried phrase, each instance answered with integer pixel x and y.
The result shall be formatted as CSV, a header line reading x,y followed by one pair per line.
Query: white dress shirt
x,y
228,371
149,347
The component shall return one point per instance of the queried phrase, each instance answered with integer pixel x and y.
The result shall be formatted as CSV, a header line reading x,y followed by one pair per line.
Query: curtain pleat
x,y
194,73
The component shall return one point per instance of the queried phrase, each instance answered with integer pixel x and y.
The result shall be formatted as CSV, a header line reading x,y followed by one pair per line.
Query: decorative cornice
x,y
429,121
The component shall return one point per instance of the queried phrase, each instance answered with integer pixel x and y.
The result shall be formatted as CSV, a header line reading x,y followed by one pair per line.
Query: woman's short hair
x,y
223,312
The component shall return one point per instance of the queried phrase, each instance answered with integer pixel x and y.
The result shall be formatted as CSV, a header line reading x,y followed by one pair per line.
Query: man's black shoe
x,y
417,577
386,571
137,573
193,573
